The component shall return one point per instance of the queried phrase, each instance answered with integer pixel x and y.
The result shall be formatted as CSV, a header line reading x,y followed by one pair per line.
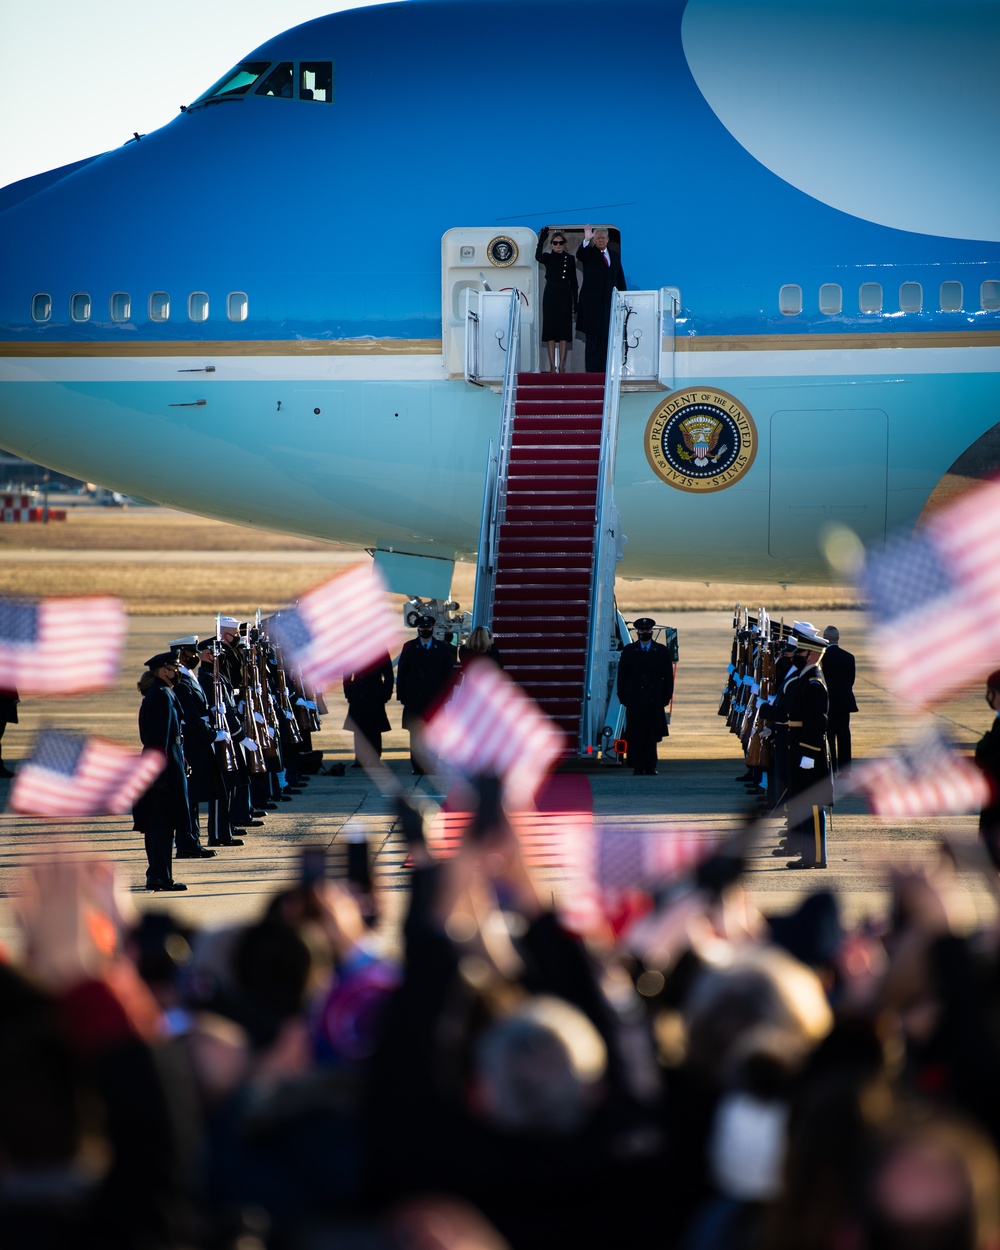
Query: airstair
x,y
550,537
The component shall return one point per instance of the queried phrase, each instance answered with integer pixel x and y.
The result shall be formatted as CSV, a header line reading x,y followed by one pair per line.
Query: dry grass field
x,y
161,561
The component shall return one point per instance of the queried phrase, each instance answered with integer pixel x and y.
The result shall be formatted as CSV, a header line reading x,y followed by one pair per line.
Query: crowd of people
x,y
705,1079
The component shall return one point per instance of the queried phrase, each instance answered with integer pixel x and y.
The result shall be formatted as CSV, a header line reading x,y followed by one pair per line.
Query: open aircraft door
x,y
487,258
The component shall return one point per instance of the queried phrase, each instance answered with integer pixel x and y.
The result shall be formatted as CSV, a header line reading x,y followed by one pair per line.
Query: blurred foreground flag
x,y
644,858
60,646
342,626
935,599
928,778
71,774
491,726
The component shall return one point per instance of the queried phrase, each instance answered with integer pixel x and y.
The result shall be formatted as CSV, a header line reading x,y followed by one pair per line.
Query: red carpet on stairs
x,y
546,540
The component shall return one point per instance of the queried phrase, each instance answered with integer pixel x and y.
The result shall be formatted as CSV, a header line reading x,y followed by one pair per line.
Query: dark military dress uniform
x,y
645,687
205,784
808,709
164,806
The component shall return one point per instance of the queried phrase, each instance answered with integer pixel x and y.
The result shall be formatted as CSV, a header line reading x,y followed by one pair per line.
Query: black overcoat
x,y
422,676
559,298
839,672
367,692
165,803
645,687
599,280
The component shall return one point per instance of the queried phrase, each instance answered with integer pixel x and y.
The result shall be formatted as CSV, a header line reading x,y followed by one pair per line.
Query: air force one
x,y
294,306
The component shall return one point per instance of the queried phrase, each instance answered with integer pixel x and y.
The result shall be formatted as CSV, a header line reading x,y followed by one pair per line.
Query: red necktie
x,y
607,259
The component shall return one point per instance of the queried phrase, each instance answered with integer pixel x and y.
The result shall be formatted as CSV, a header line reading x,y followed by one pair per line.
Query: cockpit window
x,y
240,80
280,82
316,81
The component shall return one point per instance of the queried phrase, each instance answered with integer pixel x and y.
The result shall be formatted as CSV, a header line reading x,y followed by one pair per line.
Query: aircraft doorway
x,y
574,237
487,258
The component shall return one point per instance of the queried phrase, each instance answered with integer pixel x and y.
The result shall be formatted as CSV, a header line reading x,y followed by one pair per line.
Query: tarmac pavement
x,y
695,790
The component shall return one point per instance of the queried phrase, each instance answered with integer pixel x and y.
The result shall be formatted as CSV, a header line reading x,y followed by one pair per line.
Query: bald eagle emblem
x,y
700,434
700,440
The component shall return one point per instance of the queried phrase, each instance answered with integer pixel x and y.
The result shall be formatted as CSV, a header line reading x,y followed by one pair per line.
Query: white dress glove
x,y
249,745
806,762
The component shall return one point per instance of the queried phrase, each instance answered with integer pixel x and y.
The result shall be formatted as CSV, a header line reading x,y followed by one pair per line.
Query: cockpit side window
x,y
239,81
316,81
280,82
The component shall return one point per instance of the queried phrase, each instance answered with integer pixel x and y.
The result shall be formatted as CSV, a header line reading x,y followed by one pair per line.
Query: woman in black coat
x,y
559,297
367,693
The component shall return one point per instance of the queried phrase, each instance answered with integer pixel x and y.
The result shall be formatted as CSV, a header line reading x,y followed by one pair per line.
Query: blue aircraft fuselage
x,y
241,314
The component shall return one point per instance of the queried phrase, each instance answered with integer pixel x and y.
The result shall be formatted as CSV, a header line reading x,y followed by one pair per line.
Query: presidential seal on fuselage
x,y
700,439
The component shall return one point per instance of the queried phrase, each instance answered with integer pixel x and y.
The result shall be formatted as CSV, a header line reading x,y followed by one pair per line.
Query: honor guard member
x,y
222,828
164,806
422,676
204,778
645,688
808,761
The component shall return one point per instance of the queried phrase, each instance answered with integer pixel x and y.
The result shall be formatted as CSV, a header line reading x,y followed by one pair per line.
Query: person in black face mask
x,y
422,676
645,687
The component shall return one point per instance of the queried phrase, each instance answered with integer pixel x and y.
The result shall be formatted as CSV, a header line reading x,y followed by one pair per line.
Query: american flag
x,y
646,859
342,626
491,726
73,774
935,597
927,778
60,646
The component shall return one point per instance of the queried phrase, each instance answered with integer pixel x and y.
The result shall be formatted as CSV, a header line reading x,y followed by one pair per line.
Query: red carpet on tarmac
x,y
563,816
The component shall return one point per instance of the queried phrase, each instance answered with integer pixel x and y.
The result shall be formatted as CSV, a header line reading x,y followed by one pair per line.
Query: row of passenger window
x,y
951,298
158,306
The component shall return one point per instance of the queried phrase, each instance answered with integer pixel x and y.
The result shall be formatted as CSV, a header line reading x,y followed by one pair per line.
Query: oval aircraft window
x,y
989,295
870,297
911,297
79,306
41,307
790,299
159,306
951,296
236,306
121,306
197,306
831,299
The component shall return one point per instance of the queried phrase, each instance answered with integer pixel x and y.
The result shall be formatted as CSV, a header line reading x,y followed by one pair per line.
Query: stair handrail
x,y
495,488
601,647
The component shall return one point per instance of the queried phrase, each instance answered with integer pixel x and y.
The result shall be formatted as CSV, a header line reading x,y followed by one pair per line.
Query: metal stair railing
x,y
495,487
602,645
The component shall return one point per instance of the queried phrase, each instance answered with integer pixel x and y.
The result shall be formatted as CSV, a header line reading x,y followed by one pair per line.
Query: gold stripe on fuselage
x,y
432,347
229,347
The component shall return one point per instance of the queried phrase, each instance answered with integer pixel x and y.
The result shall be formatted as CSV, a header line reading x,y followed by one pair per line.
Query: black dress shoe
x,y
748,776
165,885
291,790
254,824
270,807
232,842
797,863
203,852
258,811
285,798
